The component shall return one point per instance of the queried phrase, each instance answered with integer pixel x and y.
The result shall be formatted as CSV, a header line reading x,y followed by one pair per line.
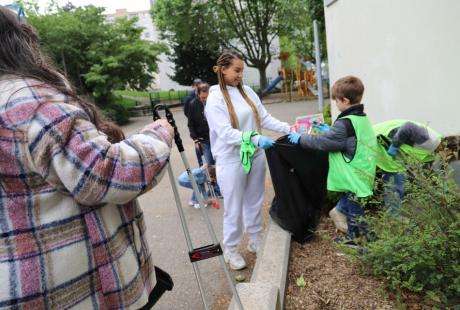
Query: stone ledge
x,y
268,282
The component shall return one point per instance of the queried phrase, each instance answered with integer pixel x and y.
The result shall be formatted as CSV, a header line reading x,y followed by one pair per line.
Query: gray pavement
x,y
164,232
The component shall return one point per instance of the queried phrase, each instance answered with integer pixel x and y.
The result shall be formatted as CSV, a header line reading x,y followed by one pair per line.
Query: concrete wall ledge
x,y
267,287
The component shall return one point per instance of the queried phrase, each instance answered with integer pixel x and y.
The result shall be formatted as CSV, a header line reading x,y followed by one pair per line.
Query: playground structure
x,y
297,81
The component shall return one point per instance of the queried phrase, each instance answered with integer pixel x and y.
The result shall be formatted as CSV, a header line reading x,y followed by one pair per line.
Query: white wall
x,y
407,54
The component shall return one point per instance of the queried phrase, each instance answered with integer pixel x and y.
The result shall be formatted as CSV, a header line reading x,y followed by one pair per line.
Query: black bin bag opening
x,y
299,178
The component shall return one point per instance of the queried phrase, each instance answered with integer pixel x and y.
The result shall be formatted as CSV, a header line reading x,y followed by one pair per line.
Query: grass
x,y
163,94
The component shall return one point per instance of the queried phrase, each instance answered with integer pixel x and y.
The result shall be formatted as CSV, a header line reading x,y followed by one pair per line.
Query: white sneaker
x,y
197,205
254,247
234,259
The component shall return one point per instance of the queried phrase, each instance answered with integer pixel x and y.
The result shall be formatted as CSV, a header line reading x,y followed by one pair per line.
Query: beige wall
x,y
407,54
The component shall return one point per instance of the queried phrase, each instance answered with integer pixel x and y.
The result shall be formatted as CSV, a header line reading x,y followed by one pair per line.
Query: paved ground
x,y
164,231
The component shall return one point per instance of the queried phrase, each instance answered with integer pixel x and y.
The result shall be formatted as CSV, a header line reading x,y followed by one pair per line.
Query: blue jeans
x,y
206,152
352,210
198,156
393,191
200,178
208,158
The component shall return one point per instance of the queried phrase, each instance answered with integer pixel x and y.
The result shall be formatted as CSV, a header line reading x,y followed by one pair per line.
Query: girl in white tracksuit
x,y
231,110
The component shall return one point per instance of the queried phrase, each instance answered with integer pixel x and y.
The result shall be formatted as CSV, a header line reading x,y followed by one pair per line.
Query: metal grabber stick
x,y
209,183
207,251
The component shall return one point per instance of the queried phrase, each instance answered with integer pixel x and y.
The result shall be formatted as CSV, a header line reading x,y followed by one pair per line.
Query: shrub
x,y
327,114
420,250
117,111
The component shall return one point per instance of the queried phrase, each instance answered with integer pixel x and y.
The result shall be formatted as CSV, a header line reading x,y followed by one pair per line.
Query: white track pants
x,y
243,198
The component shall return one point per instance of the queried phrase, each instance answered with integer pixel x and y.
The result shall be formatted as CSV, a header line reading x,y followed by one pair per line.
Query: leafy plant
x,y
117,110
300,281
419,250
327,114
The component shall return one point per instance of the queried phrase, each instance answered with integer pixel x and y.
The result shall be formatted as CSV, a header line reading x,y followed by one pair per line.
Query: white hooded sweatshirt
x,y
225,140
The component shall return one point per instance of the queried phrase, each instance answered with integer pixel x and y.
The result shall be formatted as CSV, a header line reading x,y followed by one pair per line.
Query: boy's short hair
x,y
349,87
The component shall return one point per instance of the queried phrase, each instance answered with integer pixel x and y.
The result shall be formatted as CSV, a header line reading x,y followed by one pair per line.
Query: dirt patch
x,y
332,279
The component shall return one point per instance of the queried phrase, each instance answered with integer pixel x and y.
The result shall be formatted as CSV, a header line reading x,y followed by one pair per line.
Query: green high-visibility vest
x,y
396,164
355,175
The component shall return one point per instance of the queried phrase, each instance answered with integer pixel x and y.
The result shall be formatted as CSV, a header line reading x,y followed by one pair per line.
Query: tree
x,y
249,26
190,29
122,59
97,56
298,37
191,61
256,25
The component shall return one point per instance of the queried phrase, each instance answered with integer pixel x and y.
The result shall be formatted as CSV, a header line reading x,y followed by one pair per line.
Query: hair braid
x,y
225,60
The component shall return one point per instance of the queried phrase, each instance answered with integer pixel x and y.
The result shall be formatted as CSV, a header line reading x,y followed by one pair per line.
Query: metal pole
x,y
180,147
188,240
210,228
319,78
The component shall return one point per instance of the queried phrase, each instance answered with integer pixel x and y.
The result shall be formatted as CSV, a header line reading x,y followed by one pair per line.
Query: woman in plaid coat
x,y
71,232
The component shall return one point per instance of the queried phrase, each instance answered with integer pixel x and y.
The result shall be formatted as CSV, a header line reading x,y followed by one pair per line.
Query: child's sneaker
x,y
191,203
234,259
345,241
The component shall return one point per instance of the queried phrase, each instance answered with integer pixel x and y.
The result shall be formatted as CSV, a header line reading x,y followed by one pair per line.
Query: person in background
x,y
401,142
199,129
72,234
187,102
198,125
201,177
190,97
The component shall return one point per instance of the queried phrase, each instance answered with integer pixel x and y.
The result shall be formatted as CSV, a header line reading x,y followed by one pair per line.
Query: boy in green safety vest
x,y
401,142
351,144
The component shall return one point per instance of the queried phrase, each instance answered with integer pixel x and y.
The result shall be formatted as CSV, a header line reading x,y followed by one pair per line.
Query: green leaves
x,y
249,26
422,254
98,56
300,281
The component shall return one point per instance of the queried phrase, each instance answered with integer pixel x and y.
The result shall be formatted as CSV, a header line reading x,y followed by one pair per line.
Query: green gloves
x,y
247,150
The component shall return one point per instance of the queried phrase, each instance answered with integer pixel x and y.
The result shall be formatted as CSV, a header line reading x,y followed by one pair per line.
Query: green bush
x,y
327,114
127,103
420,250
162,94
117,111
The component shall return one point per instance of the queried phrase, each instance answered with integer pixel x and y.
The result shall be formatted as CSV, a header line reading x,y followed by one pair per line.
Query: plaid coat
x,y
71,232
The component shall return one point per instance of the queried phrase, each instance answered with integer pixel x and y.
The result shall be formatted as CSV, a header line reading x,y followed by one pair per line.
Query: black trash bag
x,y
299,178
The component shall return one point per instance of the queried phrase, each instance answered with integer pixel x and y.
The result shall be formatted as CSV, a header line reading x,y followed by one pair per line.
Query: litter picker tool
x,y
204,252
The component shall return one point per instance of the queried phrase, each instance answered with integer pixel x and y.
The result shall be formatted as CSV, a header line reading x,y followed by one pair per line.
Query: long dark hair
x,y
20,56
224,61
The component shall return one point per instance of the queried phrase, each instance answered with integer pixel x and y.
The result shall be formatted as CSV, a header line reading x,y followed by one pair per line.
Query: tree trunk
x,y
262,76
